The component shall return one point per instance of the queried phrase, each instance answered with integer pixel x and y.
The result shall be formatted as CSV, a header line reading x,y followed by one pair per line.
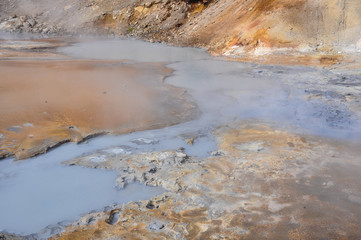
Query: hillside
x,y
231,27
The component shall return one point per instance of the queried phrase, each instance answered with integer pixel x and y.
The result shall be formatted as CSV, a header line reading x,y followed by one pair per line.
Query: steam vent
x,y
180,119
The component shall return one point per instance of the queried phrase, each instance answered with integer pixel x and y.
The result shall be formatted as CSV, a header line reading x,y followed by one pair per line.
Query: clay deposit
x,y
47,103
262,142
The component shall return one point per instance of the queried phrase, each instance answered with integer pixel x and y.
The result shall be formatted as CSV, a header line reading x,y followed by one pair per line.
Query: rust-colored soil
x,y
45,103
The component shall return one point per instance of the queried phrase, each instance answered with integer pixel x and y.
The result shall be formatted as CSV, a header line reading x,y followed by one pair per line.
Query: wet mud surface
x,y
272,153
262,182
48,102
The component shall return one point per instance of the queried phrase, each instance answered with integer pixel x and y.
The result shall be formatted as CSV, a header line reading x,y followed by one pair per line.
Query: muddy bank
x,y
293,178
46,103
242,29
262,182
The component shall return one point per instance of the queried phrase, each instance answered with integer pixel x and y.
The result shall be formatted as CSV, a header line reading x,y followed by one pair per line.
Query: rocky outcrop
x,y
235,28
27,24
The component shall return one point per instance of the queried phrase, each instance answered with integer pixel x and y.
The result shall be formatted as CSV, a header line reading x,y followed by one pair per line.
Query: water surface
x,y
41,191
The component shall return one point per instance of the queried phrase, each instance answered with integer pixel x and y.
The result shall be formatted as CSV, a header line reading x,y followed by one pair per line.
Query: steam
x,y
224,92
132,50
232,90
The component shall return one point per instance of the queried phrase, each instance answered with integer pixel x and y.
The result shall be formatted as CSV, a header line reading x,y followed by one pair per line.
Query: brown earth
x,y
45,103
239,28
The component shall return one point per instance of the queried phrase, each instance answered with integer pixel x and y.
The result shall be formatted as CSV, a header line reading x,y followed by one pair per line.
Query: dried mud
x,y
263,182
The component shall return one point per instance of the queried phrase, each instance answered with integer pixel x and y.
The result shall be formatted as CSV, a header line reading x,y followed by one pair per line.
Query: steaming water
x,y
138,51
40,191
228,90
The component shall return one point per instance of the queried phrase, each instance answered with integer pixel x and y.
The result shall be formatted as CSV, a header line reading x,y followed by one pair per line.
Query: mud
x,y
263,182
58,195
272,152
294,178
60,100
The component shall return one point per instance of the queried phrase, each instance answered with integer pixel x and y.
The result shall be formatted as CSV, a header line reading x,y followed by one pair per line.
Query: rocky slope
x,y
231,27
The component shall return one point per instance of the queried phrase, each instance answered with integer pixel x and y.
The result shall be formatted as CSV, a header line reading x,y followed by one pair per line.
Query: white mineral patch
x,y
118,151
100,158
276,207
28,125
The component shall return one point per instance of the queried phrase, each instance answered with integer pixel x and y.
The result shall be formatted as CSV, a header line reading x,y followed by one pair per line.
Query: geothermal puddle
x,y
39,192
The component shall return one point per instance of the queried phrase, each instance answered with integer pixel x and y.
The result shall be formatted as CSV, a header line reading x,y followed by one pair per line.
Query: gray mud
x,y
324,102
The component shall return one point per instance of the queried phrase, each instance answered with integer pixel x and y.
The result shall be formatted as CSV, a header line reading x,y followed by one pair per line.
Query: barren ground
x,y
263,180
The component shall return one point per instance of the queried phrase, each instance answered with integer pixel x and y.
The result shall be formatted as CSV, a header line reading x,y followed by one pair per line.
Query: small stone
x,y
217,153
18,24
190,141
113,217
22,18
26,25
156,226
181,155
45,30
150,205
31,22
